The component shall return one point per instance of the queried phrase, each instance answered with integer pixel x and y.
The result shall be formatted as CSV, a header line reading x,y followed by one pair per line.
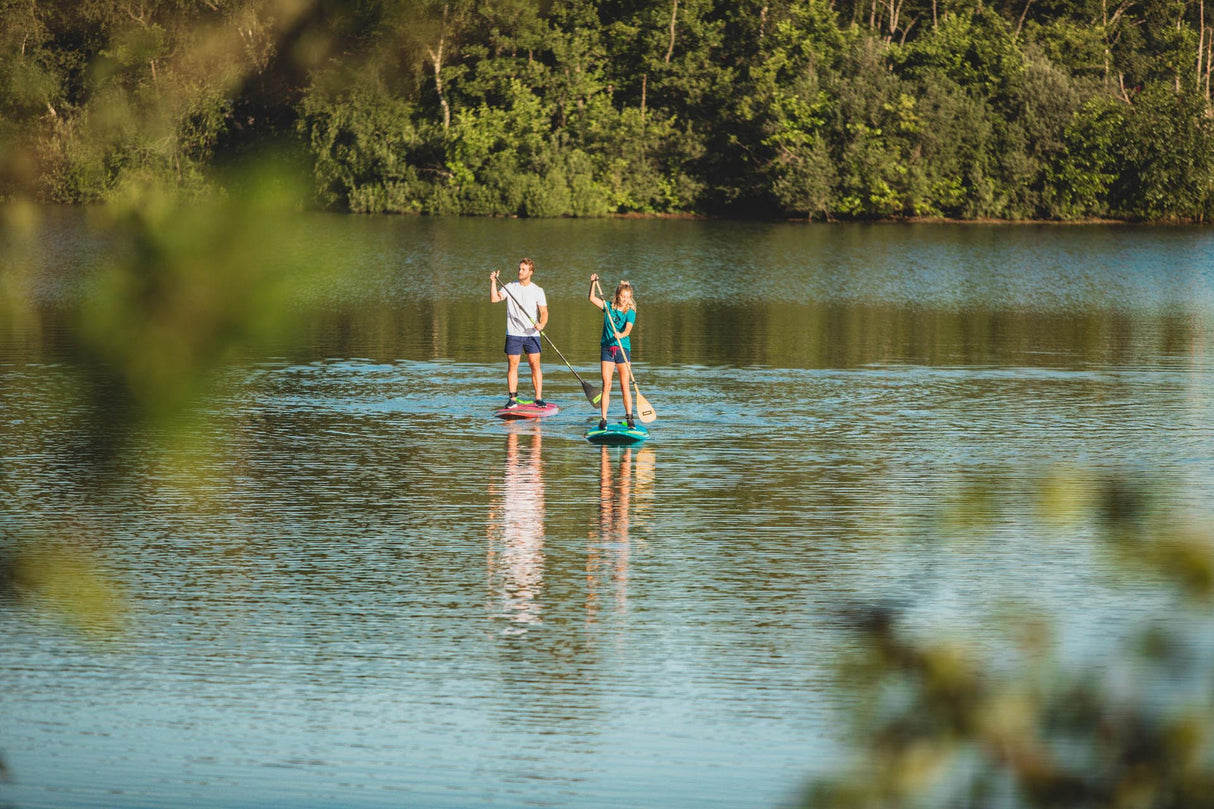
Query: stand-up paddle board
x,y
527,410
618,434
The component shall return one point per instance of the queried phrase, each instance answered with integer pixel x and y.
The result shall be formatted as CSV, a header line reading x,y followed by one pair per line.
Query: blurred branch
x,y
951,728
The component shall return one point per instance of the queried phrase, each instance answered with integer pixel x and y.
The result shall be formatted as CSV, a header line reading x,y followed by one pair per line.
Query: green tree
x,y
1166,152
870,117
362,141
30,88
787,106
976,50
758,107
1079,176
950,155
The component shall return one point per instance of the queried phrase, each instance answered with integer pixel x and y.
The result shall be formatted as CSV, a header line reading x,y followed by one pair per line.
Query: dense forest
x,y
1005,109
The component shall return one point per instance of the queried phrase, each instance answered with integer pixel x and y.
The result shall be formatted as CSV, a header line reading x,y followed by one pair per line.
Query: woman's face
x,y
625,296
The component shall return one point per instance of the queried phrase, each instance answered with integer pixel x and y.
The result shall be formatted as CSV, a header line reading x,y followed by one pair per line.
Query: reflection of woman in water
x,y
516,535
607,560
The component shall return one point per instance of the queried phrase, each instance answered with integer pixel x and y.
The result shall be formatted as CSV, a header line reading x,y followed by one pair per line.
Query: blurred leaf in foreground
x,y
190,287
64,579
947,725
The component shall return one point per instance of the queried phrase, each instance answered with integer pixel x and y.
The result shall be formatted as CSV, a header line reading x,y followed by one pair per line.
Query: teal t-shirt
x,y
621,321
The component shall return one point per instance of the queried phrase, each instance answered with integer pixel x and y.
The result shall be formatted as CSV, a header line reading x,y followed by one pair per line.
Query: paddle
x,y
592,394
644,410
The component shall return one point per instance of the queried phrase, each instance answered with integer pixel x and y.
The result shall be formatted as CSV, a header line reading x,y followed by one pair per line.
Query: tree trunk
x,y
1209,66
436,58
1201,41
1209,59
674,16
1104,33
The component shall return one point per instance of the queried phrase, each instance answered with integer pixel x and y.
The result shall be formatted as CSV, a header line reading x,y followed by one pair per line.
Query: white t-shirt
x,y
531,298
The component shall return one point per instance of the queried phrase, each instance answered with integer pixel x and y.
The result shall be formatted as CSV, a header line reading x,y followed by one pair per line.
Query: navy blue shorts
x,y
522,345
614,354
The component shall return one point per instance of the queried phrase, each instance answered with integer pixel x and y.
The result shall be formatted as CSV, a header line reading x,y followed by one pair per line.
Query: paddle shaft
x,y
644,409
591,394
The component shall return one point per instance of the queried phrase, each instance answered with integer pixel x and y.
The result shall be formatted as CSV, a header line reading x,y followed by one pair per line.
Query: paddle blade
x,y
645,410
593,395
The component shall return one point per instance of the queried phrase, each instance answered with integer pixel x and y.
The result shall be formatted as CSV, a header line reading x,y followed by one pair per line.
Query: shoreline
x,y
908,220
706,217
887,220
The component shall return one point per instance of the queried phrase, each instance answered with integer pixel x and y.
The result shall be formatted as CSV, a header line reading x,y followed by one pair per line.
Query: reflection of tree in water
x,y
516,535
607,560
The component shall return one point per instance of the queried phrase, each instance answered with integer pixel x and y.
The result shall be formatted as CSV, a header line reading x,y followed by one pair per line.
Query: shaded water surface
x,y
362,590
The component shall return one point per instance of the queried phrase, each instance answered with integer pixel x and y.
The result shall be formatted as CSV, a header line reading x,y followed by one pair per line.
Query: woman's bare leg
x,y
605,369
625,380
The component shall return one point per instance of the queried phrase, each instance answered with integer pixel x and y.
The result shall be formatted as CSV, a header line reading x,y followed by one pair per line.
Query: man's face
x,y
524,272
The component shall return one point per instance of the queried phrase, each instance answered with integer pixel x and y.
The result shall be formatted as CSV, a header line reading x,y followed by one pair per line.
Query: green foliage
x,y
1080,174
500,159
951,151
360,139
867,99
1165,183
522,108
804,178
790,107
1074,46
975,50
1019,727
188,285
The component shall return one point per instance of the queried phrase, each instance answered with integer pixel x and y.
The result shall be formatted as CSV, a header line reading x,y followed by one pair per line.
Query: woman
x,y
615,349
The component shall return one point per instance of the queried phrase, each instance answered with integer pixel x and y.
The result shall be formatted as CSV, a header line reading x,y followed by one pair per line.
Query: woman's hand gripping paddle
x,y
645,410
593,395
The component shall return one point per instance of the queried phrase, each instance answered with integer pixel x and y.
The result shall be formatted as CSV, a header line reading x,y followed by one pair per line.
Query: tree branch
x,y
1023,14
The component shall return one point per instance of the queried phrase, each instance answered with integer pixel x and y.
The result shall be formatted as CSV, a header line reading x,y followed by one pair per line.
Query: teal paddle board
x,y
618,434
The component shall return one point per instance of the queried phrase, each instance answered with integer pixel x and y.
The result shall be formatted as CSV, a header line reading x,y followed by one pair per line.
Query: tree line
x,y
969,109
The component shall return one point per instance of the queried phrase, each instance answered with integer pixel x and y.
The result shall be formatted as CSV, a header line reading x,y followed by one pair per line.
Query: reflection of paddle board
x,y
617,434
527,410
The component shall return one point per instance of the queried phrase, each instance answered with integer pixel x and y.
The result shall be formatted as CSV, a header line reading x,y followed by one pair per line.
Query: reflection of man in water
x,y
516,535
607,560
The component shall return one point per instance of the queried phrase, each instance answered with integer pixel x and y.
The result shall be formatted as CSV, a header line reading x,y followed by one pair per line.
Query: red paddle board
x,y
529,410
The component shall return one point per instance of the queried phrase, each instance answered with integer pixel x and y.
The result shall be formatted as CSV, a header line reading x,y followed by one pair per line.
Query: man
x,y
526,316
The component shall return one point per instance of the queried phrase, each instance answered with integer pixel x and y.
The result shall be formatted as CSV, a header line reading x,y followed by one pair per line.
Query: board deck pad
x,y
618,434
527,410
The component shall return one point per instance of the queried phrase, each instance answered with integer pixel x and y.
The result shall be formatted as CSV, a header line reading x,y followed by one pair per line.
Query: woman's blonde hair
x,y
615,299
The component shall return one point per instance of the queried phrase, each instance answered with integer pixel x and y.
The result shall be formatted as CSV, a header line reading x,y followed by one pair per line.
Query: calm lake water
x,y
363,590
